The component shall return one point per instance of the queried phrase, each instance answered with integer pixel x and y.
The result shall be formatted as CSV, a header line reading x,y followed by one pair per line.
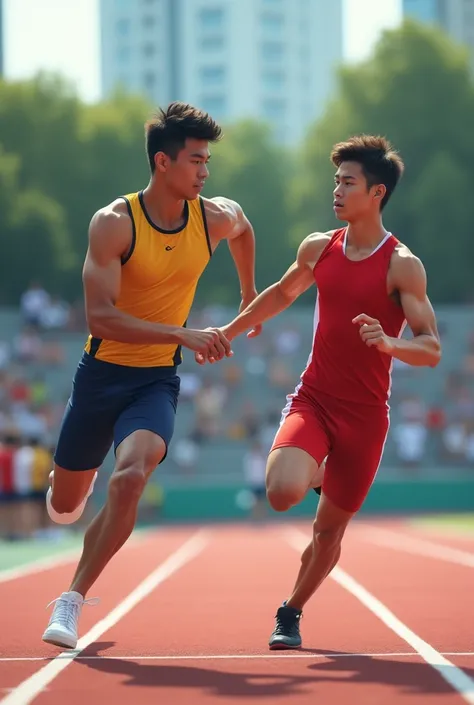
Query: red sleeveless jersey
x,y
341,365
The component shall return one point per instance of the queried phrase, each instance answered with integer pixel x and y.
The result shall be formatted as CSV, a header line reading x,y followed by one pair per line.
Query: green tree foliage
x,y
61,160
35,243
114,161
417,90
80,157
249,168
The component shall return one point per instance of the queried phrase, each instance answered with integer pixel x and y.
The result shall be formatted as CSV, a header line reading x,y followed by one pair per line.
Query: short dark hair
x,y
168,130
380,162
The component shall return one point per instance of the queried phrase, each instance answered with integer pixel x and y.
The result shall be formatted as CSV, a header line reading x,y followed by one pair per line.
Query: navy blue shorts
x,y
108,402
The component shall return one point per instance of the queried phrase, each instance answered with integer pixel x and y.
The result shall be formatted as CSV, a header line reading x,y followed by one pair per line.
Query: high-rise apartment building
x,y
456,17
268,59
2,43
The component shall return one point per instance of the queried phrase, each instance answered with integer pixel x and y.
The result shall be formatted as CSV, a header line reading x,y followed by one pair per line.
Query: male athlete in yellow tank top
x,y
146,253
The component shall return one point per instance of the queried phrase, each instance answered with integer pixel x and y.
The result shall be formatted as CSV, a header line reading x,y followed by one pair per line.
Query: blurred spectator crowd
x,y
29,412
432,424
228,412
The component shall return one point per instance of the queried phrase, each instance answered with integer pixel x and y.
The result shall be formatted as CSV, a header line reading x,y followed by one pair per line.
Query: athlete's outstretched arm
x,y
110,235
241,241
279,296
424,349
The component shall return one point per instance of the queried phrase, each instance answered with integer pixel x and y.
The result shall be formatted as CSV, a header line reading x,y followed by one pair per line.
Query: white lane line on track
x,y
28,690
38,565
457,679
417,546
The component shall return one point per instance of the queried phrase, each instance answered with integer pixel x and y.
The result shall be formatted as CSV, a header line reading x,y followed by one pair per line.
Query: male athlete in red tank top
x,y
334,426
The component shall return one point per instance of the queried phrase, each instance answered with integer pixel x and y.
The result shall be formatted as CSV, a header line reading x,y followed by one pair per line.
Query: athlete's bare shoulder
x,y
225,218
111,227
221,206
311,248
405,264
114,214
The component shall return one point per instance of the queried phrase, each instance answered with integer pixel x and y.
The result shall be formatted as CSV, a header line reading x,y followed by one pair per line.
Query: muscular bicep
x,y
297,279
103,264
299,276
417,307
101,279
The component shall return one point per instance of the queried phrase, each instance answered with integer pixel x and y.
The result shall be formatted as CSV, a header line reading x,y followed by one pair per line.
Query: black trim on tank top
x,y
206,229
94,346
126,257
177,354
156,227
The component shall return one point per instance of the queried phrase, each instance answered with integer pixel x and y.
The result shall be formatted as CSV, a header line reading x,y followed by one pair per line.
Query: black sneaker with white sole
x,y
286,634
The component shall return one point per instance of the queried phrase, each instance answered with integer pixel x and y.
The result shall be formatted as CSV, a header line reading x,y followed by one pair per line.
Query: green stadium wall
x,y
197,502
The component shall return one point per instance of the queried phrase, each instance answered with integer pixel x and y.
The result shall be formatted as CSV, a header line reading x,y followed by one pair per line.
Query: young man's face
x,y
352,199
185,176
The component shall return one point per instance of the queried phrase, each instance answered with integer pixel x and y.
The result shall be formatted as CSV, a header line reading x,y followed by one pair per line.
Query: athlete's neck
x,y
366,233
165,210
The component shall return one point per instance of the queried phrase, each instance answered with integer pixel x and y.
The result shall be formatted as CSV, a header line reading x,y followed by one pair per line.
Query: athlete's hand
x,y
202,358
246,301
373,334
210,344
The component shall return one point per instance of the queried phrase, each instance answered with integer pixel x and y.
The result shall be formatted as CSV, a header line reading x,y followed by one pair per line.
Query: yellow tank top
x,y
159,278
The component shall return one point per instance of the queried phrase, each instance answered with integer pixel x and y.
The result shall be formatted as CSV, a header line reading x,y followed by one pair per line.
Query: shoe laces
x,y
67,611
287,621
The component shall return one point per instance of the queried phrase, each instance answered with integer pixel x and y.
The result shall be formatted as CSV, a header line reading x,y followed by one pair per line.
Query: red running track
x,y
199,635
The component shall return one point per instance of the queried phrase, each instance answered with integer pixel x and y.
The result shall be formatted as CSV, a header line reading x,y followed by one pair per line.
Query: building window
x,y
273,80
148,50
123,28
272,51
272,22
210,44
214,105
212,18
148,21
212,75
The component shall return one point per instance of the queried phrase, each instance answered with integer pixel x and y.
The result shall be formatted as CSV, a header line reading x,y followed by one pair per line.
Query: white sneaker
x,y
62,627
72,516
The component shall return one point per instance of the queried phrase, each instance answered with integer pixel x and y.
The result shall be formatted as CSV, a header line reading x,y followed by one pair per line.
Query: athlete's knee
x,y
283,496
127,484
143,449
65,504
328,531
328,539
133,467
288,475
69,489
